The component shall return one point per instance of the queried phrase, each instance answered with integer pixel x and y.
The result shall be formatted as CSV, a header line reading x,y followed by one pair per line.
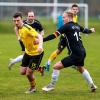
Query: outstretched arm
x,y
86,30
51,36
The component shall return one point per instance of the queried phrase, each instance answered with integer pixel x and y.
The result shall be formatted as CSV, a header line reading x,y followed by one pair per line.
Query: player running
x,y
62,44
31,20
77,54
33,52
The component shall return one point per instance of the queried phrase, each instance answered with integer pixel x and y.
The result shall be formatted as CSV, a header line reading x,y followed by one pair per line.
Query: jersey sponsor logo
x,y
76,27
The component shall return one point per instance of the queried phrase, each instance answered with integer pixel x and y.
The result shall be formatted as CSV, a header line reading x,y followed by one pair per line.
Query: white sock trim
x,y
18,59
55,75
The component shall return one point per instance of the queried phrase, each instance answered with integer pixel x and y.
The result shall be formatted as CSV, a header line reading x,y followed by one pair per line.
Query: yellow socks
x,y
53,56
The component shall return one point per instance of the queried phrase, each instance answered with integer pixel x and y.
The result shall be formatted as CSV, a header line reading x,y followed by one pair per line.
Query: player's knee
x,y
23,71
55,67
29,72
58,66
81,69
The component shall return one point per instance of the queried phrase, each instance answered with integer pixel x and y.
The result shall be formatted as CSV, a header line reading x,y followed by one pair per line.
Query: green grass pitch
x,y
70,86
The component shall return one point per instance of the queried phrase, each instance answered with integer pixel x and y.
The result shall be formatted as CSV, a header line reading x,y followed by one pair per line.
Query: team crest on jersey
x,y
63,35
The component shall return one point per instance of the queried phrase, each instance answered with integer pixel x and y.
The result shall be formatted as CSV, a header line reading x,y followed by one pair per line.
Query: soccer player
x,y
33,52
34,24
62,43
77,53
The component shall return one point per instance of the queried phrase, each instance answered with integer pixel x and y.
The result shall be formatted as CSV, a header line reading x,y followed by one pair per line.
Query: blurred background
x,y
47,11
41,11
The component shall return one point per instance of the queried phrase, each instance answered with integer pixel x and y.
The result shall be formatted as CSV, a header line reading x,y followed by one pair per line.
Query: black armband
x,y
50,37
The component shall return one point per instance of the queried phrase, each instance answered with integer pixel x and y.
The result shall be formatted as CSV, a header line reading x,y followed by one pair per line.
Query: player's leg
x,y
15,60
29,73
53,56
87,77
18,58
31,79
84,72
25,70
38,60
55,75
34,63
67,61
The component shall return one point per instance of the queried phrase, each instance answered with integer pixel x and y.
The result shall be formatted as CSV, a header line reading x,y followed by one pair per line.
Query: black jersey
x,y
36,25
72,31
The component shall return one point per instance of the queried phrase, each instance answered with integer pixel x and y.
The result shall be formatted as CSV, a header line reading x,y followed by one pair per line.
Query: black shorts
x,y
62,43
74,60
22,45
32,62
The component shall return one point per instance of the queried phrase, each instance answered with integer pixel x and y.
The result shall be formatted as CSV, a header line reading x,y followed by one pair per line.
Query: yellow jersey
x,y
28,35
75,18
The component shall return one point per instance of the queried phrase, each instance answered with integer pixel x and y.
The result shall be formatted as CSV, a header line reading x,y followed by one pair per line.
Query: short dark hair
x,y
75,5
31,11
18,14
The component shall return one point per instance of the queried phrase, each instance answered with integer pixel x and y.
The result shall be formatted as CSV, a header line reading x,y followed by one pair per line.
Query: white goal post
x,y
55,6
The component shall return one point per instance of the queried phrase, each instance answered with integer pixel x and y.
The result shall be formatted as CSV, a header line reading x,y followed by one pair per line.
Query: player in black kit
x,y
62,44
77,54
31,20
